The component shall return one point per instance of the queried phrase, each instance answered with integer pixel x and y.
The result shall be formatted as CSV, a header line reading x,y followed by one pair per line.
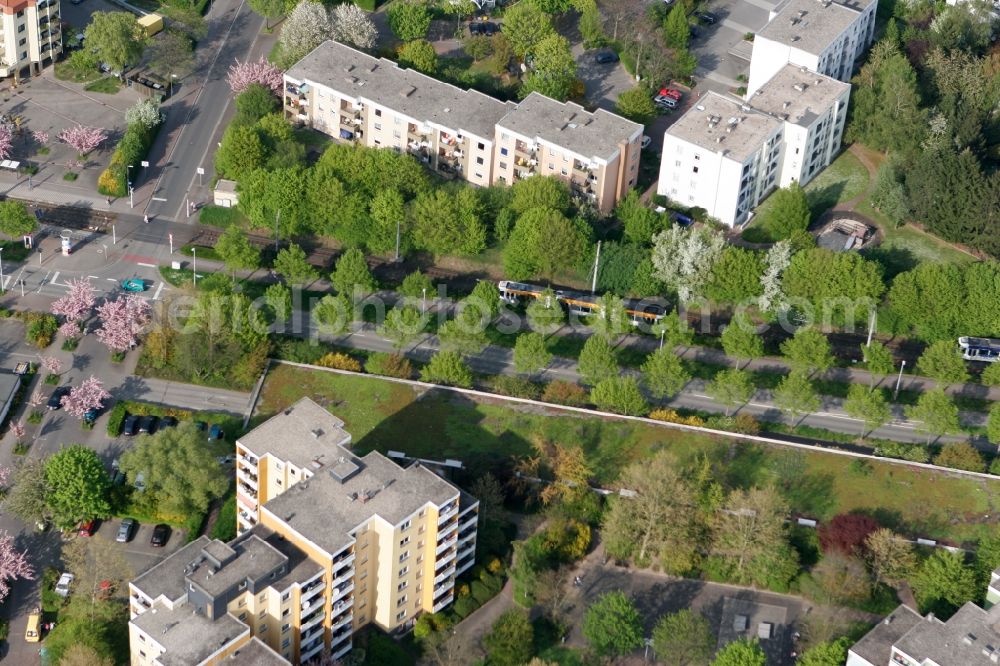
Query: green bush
x,y
116,419
912,452
517,387
389,365
225,525
367,5
464,606
40,328
297,350
480,592
218,216
131,149
70,176
4,630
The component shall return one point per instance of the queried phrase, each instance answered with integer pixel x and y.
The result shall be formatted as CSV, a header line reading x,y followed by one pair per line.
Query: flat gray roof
x,y
808,25
300,567
798,95
876,645
9,383
166,578
325,510
300,434
722,124
407,91
257,653
570,126
188,637
968,638
254,558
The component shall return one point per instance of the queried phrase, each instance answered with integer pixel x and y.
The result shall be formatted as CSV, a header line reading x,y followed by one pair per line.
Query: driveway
x,y
138,553
718,69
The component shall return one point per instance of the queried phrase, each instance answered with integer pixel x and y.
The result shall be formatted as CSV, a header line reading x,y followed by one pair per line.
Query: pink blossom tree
x,y
41,137
78,302
4,475
70,329
52,364
6,140
242,74
13,564
122,321
18,429
90,394
36,398
83,139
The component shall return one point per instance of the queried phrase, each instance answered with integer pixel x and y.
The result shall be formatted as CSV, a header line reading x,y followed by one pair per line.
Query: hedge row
x,y
132,149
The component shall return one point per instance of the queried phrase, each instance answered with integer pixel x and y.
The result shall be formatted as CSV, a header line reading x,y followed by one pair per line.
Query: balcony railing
x,y
343,621
447,512
247,478
313,589
339,635
247,489
311,621
342,560
446,531
447,573
311,605
445,558
343,604
340,652
444,602
342,589
344,576
312,633
443,587
311,650
446,544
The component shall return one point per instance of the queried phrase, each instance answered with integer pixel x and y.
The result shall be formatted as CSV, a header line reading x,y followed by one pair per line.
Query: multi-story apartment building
x,y
596,153
727,155
824,36
29,35
327,542
357,98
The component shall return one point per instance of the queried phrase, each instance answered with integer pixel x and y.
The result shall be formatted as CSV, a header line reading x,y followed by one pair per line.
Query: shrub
x,y
218,216
960,455
846,533
565,393
912,452
40,328
298,351
389,365
70,176
671,416
131,149
115,419
517,387
339,361
464,606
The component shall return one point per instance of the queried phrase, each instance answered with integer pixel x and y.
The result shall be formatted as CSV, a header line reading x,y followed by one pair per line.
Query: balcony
x,y
444,602
341,560
342,589
446,544
343,604
463,537
311,650
311,621
247,478
311,634
340,634
342,621
445,558
464,565
344,576
447,512
248,499
447,573
521,149
248,518
443,587
247,489
340,652
446,531
311,605
311,590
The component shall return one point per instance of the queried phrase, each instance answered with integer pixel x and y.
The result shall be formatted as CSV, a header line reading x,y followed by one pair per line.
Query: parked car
x,y
216,433
475,28
33,633
167,422
147,425
646,141
490,29
605,57
116,475
125,530
90,416
88,528
707,17
161,535
694,32
62,587
55,400
663,100
227,460
130,424
134,285
670,92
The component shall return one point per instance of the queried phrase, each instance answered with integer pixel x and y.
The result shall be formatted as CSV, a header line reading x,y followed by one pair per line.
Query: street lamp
x,y
172,77
2,290
423,303
128,178
105,254
194,255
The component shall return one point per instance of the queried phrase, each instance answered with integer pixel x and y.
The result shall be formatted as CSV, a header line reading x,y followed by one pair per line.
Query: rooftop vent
x,y
407,91
969,639
570,117
802,13
817,82
373,67
446,109
700,107
795,38
785,105
316,433
733,121
719,139
794,20
352,80
745,107
800,87
349,68
988,650
344,469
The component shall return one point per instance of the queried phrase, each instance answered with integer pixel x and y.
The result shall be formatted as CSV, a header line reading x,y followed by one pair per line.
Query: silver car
x,y
62,587
125,530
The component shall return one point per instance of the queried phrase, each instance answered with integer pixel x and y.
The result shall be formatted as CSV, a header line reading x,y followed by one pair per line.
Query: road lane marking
x,y
159,288
157,199
94,277
111,279
54,278
139,263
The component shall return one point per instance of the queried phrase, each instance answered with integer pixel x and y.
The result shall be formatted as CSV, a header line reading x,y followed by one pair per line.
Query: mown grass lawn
x,y
489,434
109,85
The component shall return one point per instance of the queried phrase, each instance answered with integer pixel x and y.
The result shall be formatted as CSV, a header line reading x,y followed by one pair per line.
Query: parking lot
x,y
138,553
718,69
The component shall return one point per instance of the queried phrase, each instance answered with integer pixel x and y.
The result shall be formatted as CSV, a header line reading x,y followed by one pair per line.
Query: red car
x,y
670,92
88,528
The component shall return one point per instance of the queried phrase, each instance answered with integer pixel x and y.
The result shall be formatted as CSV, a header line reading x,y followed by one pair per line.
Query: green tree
x,y
291,264
808,351
511,642
597,361
828,653
731,388
750,540
416,285
402,326
868,405
26,498
235,250
553,6
524,26
409,20
890,557
664,374
991,375
254,104
241,151
545,314
554,71
942,363
684,637
878,361
736,277
180,471
544,241
539,192
466,333
447,368
445,224
279,298
351,275
485,298
960,455
15,220
268,9
796,395
478,47
787,213
531,353
620,395
674,331
842,286
887,113
77,485
116,38
388,213
610,321
639,220
993,424
612,625
741,341
420,55
636,105
744,652
675,27
333,314
936,412
943,583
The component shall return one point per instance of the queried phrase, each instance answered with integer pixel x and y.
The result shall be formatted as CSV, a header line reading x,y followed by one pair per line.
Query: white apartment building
x,y
29,35
357,98
727,155
824,36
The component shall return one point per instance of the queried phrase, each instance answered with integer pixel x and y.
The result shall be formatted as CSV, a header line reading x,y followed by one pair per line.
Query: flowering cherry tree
x,y
40,136
6,140
90,394
36,398
13,564
70,329
122,320
242,74
4,475
52,365
78,302
83,139
18,429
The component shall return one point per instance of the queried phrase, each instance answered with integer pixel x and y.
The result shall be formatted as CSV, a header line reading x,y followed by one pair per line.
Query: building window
x,y
243,617
404,556
285,628
697,156
551,166
24,40
400,615
285,643
20,14
378,113
694,169
503,151
479,161
479,175
263,595
364,574
378,126
402,572
405,526
563,171
401,601
395,134
285,612
263,613
243,585
404,541
377,142
503,165
677,163
263,628
402,586
286,596
142,654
